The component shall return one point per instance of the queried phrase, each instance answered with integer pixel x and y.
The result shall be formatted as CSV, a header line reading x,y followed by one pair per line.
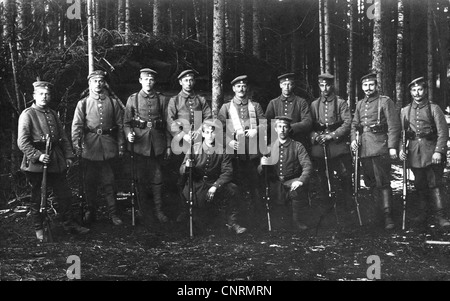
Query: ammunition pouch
x,y
319,127
100,131
139,123
410,135
376,128
429,135
40,144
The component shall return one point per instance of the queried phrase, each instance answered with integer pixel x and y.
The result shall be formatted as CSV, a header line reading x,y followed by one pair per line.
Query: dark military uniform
x,y
246,158
34,124
98,121
379,123
331,116
290,162
212,167
428,134
145,115
294,107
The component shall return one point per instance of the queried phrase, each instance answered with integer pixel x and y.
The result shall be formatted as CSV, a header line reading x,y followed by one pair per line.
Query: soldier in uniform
x,y
185,113
427,132
331,130
293,106
35,123
379,124
98,122
212,174
289,170
241,118
145,127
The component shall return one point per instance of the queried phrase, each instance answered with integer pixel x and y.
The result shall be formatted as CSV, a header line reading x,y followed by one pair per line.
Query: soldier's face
x,y
287,87
209,134
369,87
417,93
147,83
96,84
42,97
325,88
282,128
187,83
240,90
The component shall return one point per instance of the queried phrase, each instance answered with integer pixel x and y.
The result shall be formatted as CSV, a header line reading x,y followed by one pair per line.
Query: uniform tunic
x,y
421,149
98,113
296,108
366,114
210,168
328,111
151,107
34,124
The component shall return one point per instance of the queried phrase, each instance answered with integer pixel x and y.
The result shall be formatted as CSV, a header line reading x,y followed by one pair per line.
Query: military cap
x,y
420,81
325,77
147,72
286,77
212,122
97,73
42,84
284,119
368,77
241,79
187,72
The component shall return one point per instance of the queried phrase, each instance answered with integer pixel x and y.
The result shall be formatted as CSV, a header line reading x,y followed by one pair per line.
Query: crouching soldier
x,y
427,149
289,169
35,123
212,172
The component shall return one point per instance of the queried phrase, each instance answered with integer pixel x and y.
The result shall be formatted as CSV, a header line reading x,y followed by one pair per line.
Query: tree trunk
x,y
327,38
256,30
96,7
90,21
399,87
121,16
441,24
198,21
217,69
127,21
24,20
230,25
377,55
351,69
321,38
243,29
156,17
430,49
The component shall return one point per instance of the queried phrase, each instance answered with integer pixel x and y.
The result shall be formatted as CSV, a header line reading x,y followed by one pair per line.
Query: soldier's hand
x,y
44,158
393,153
130,137
210,193
436,158
322,139
69,163
77,151
354,146
234,144
251,133
402,155
121,153
265,160
189,163
167,154
295,185
239,133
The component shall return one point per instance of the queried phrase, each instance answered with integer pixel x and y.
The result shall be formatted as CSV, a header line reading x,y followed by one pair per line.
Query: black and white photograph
x,y
224,147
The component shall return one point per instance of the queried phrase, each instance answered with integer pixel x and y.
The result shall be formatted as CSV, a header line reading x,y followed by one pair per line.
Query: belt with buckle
x,y
99,131
149,124
367,129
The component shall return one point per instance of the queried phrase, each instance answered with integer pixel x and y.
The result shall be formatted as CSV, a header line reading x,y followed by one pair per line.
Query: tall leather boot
x,y
386,198
112,207
422,207
438,203
298,207
157,199
232,222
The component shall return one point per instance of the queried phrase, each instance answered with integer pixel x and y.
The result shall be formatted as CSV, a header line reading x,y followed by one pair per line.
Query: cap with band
x,y
242,79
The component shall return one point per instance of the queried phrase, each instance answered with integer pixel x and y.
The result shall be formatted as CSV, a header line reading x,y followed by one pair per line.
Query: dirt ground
x,y
165,252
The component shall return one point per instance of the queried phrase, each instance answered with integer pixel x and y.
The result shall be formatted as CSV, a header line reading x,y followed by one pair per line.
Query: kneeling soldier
x,y
211,175
34,124
289,171
428,135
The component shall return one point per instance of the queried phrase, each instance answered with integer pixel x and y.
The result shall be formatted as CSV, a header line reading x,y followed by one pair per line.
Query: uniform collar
x,y
372,97
43,110
421,104
186,95
97,96
290,98
286,144
239,101
328,98
152,94
207,149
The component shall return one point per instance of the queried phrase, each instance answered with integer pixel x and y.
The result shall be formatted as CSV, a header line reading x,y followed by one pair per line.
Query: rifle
x,y
43,208
266,179
191,184
331,194
81,178
134,189
356,180
405,174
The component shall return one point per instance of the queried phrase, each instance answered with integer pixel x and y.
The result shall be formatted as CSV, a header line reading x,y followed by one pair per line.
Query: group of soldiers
x,y
226,156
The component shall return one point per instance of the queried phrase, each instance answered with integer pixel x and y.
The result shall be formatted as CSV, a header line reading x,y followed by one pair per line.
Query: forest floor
x,y
165,252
